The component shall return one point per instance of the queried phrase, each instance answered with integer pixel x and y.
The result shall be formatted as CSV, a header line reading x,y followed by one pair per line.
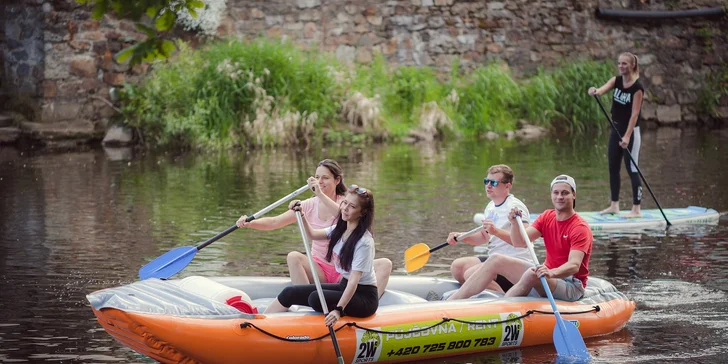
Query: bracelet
x,y
340,309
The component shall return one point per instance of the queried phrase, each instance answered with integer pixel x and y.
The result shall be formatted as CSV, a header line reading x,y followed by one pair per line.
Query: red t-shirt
x,y
560,237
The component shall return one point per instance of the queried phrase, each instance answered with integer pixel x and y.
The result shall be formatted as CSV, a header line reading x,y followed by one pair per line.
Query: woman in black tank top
x,y
626,106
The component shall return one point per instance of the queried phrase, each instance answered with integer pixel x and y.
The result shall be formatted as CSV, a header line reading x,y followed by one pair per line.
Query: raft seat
x,y
395,297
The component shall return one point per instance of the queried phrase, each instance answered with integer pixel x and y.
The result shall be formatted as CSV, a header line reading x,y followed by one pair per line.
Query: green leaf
x,y
125,53
166,48
102,6
166,20
149,31
118,7
152,11
192,13
191,5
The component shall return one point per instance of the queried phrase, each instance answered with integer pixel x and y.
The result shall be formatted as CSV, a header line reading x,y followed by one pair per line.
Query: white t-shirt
x,y
363,258
499,215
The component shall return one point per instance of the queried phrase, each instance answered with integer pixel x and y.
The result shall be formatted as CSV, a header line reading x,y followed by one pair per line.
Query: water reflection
x,y
76,222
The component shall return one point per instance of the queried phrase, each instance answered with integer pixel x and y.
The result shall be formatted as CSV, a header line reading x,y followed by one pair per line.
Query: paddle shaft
x,y
574,348
317,282
254,216
461,236
614,127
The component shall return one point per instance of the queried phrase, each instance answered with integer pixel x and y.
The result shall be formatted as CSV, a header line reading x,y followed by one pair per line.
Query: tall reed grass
x,y
266,92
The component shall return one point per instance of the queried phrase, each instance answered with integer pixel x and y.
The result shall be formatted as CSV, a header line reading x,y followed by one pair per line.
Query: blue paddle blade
x,y
569,344
169,264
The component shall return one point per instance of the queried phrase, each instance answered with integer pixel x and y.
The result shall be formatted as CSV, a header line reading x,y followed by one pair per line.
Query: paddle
x,y
320,290
173,261
416,256
567,338
632,160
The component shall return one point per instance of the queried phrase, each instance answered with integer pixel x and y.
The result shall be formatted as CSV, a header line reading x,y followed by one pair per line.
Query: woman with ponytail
x,y
626,106
329,189
351,250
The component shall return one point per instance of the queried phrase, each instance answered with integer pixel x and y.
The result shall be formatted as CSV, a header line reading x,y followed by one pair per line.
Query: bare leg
x,y
275,306
300,270
612,209
462,268
511,268
529,280
493,286
636,212
382,270
524,285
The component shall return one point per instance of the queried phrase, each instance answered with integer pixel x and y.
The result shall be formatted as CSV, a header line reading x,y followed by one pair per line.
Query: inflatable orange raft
x,y
174,325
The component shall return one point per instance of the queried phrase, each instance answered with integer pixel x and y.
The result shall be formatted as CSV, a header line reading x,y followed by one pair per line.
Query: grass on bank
x,y
266,92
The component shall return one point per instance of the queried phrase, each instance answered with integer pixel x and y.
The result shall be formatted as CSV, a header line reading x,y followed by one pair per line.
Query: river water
x,y
72,223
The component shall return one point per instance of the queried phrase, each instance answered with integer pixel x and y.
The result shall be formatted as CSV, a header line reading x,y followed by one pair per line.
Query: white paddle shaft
x,y
279,202
316,281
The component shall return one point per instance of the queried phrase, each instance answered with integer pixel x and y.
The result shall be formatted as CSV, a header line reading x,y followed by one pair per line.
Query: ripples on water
x,y
77,222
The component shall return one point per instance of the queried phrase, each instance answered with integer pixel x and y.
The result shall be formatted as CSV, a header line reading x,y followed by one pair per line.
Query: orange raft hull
x,y
396,333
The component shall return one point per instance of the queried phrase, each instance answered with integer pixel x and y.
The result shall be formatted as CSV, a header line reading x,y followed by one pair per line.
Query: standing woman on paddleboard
x,y
351,250
320,210
626,106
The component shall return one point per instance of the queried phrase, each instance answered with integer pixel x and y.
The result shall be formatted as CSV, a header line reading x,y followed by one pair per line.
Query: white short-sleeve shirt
x,y
363,258
499,215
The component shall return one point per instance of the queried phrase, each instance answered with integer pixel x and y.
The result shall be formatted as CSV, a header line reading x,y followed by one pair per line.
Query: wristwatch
x,y
340,309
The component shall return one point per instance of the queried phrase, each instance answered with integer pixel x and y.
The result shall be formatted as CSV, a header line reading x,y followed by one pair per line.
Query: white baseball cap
x,y
564,179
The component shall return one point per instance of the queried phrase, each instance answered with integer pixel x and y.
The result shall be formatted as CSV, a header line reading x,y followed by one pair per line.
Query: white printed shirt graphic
x,y
622,97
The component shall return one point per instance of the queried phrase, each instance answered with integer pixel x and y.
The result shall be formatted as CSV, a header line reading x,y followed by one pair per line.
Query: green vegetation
x,y
705,36
715,88
265,92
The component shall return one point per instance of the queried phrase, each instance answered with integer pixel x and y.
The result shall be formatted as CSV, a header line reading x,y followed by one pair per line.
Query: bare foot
x,y
635,213
610,210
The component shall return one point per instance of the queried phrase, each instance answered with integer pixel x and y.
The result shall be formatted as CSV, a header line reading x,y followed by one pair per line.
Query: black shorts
x,y
502,281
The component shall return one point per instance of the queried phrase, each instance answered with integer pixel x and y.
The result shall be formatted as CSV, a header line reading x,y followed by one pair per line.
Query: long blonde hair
x,y
634,61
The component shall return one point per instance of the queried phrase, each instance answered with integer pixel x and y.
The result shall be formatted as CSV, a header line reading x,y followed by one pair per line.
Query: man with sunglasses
x,y
568,242
496,228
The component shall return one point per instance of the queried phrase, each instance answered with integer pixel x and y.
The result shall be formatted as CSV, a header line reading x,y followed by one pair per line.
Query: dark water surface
x,y
73,223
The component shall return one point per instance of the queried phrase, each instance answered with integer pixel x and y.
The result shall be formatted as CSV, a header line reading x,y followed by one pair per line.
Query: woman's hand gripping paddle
x,y
567,338
320,290
173,261
416,256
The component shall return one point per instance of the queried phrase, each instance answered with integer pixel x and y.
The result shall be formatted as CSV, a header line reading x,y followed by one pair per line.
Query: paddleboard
x,y
651,218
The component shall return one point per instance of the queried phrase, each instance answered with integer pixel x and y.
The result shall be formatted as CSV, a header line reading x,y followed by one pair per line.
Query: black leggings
x,y
616,155
363,303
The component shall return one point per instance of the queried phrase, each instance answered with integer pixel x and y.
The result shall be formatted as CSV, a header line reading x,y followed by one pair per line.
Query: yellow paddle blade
x,y
416,256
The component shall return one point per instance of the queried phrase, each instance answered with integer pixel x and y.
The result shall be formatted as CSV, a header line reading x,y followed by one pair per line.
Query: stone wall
x,y
59,60
71,74
23,44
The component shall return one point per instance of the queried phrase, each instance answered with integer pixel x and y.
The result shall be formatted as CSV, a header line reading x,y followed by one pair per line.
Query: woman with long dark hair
x,y
351,250
321,210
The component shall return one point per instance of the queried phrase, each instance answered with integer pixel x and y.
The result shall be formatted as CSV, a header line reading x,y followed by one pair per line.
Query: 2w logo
x,y
512,331
367,349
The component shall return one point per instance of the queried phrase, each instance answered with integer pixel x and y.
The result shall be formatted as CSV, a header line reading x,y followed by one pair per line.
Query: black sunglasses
x,y
492,182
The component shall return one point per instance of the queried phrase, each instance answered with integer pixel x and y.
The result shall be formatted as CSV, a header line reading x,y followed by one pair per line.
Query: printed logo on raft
x,y
512,331
368,347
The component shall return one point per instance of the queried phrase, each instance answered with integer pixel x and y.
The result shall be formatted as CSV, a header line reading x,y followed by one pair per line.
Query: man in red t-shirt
x,y
568,241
